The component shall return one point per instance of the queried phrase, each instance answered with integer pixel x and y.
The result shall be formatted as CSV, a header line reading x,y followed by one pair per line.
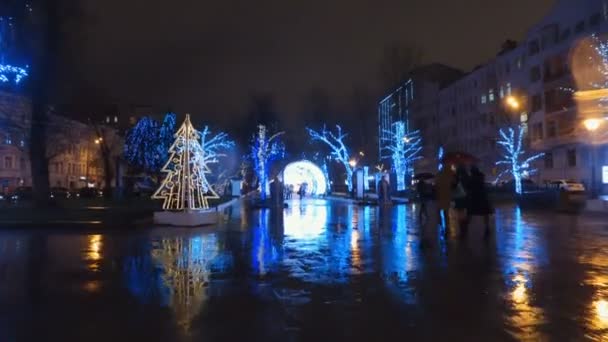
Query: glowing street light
x,y
592,124
512,102
352,163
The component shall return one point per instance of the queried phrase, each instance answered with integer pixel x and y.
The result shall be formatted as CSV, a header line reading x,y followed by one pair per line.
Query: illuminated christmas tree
x,y
186,186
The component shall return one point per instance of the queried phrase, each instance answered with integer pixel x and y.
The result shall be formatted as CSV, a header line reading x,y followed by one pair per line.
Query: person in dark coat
x,y
479,202
425,194
461,198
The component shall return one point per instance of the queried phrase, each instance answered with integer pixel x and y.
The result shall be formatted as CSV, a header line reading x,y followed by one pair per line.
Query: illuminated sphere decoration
x,y
304,171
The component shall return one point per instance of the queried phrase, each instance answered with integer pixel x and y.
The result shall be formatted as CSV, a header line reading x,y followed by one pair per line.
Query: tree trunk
x,y
40,81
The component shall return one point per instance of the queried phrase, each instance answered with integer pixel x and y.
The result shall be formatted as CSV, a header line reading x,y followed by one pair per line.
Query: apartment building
x,y
73,150
542,74
553,47
416,103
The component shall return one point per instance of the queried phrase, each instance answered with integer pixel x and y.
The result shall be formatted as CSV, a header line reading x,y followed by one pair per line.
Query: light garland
x,y
513,152
405,148
12,73
339,152
264,151
186,187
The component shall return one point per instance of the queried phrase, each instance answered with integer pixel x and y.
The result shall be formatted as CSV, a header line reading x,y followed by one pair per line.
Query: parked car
x,y
567,185
89,193
59,192
22,193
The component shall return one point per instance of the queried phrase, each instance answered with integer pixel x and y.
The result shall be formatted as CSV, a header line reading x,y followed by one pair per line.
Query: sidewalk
x,y
344,197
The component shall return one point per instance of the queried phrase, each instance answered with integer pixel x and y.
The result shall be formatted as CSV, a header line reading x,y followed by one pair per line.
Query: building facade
x,y
416,103
73,150
543,73
554,48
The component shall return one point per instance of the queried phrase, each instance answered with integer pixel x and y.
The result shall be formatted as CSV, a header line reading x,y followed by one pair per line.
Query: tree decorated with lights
x,y
339,151
148,141
265,149
185,186
514,155
215,147
405,148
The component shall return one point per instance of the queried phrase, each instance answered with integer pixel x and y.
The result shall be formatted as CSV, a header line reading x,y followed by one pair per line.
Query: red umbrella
x,y
458,158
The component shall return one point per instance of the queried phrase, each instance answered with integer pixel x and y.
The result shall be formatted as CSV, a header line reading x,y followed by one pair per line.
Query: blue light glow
x,y
10,73
339,151
513,152
440,155
405,148
148,141
264,150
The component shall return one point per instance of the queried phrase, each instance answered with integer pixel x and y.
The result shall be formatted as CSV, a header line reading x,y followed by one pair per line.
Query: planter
x,y
190,218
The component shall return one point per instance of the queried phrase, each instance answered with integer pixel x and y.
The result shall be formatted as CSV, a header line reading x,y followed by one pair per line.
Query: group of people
x,y
464,190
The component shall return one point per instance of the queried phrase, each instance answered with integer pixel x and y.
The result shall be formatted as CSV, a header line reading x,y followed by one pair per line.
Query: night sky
x,y
207,57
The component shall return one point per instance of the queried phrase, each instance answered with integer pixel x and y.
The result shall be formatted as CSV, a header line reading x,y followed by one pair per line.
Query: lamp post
x,y
592,125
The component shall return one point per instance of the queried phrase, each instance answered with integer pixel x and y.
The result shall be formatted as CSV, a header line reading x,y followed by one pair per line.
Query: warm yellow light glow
x,y
95,244
592,124
512,102
519,292
352,163
601,309
98,141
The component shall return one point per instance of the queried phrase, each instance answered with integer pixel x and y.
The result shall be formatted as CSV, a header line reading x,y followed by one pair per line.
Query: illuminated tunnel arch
x,y
304,171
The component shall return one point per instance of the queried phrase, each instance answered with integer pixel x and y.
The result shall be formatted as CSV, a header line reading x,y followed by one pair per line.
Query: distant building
x,y
415,102
539,74
73,151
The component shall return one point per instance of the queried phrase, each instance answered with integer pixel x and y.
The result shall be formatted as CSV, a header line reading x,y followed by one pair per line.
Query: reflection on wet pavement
x,y
314,271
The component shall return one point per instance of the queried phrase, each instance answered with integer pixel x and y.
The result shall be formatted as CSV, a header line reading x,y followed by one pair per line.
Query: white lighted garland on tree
x,y
264,150
339,152
513,155
186,187
405,148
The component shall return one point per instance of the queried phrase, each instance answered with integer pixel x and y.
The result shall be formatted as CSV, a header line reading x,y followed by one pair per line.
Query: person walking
x,y
479,202
444,183
461,198
424,193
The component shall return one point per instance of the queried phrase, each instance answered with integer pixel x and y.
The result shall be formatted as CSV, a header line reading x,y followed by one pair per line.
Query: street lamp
x,y
512,102
592,125
352,163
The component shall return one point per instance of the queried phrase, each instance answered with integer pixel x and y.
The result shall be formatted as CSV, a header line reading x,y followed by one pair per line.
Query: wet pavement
x,y
316,271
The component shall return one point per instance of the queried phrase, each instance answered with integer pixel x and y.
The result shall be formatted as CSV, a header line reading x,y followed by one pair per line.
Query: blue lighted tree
x,y
339,151
148,142
265,149
514,155
216,146
405,148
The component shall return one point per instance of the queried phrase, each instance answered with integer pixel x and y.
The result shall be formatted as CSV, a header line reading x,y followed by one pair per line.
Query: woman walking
x,y
444,184
461,198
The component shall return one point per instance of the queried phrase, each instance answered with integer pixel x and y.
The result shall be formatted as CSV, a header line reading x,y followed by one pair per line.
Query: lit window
x,y
491,95
107,119
115,119
483,99
7,139
508,88
501,93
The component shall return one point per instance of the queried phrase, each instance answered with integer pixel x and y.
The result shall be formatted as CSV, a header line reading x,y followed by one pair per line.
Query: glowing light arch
x,y
304,171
